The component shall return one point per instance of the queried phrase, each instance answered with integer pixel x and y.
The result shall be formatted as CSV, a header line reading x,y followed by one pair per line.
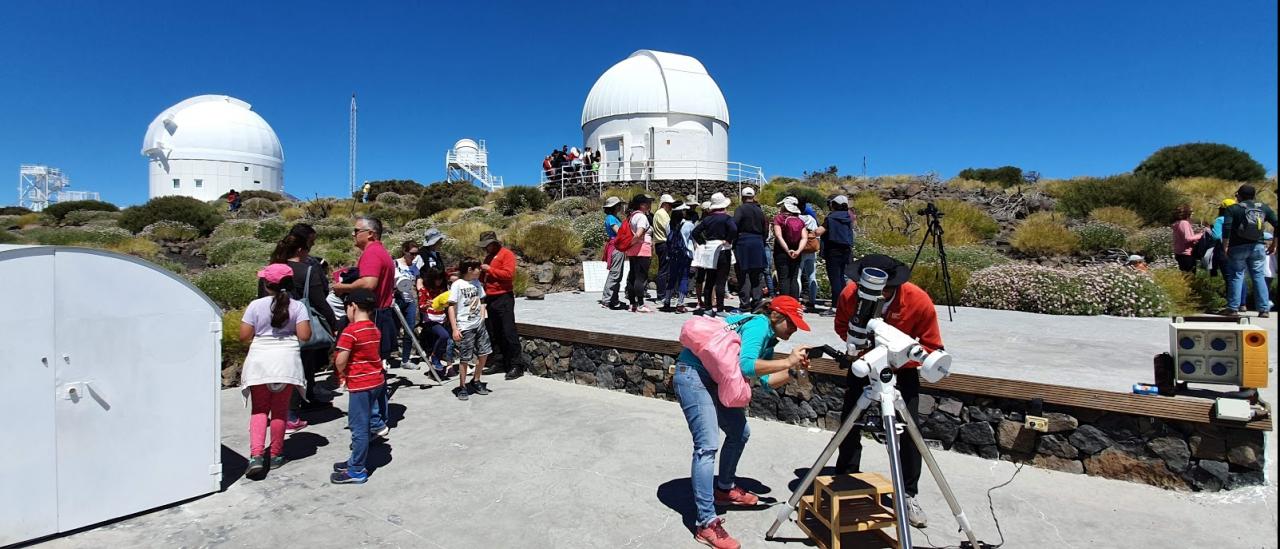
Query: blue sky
x,y
1066,88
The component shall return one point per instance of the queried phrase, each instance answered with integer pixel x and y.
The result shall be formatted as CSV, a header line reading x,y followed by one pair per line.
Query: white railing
x,y
648,171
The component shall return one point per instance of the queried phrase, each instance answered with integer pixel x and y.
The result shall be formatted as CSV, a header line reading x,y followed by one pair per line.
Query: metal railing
x,y
648,171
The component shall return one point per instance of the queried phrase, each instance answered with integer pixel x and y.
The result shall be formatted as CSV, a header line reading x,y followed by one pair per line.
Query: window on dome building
x,y
177,183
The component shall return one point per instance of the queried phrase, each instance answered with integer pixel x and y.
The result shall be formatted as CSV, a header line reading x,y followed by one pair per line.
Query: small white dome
x,y
465,143
213,127
654,82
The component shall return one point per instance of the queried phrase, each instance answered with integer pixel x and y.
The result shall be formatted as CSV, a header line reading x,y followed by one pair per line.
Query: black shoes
x,y
478,388
515,373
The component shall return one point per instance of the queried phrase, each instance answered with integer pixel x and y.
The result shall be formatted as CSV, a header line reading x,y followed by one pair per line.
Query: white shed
x,y
111,377
657,115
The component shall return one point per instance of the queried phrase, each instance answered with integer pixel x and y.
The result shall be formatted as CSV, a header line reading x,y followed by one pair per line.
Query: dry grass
x,y
1119,216
1045,234
1205,194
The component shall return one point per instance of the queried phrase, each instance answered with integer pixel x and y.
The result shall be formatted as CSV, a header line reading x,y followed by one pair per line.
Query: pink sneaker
x,y
713,535
736,496
294,426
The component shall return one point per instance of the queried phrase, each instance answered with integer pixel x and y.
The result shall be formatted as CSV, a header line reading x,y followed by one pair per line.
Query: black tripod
x,y
933,230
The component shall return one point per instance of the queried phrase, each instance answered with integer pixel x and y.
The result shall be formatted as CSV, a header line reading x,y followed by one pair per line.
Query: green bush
x,y
238,250
136,246
971,258
1044,234
248,195
590,229
233,351
444,195
271,231
1208,293
231,287
258,207
928,276
87,217
14,210
234,228
7,237
514,200
173,231
1104,290
173,208
77,236
1119,216
336,252
60,210
1097,236
399,186
397,200
392,216
463,240
1205,195
334,232
566,206
1006,176
1177,286
418,226
805,194
1152,199
521,282
1201,160
964,216
549,241
1153,243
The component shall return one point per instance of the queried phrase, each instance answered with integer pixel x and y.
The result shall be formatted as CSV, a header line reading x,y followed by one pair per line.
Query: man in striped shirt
x,y
359,367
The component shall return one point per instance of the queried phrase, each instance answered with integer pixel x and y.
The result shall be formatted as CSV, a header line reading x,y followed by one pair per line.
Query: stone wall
x,y
1168,454
678,188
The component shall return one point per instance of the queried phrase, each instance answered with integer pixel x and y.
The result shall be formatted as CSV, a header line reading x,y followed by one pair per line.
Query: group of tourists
x,y
303,321
696,246
1237,245
569,165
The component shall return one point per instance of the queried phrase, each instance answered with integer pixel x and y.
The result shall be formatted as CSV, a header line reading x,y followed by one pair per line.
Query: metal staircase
x,y
463,163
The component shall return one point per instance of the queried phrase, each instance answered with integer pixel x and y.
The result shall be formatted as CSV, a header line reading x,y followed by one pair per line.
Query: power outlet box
x,y
1037,423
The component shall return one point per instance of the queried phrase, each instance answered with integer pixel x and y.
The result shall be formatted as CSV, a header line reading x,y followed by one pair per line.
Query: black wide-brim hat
x,y
898,271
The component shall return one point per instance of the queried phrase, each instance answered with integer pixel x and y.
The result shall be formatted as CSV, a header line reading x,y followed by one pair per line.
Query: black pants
x,y
638,279
788,274
850,457
837,264
664,269
699,280
502,328
1186,263
716,283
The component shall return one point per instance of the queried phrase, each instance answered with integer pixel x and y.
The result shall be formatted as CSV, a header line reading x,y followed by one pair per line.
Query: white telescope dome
x,y
209,144
655,82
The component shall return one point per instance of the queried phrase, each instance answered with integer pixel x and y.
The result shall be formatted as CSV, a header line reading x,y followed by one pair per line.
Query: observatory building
x,y
468,160
658,116
210,144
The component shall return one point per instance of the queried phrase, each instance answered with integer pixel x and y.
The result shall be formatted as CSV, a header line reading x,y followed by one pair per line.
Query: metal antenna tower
x,y
351,159
40,185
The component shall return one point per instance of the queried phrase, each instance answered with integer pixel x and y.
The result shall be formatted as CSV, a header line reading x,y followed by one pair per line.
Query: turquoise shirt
x,y
758,341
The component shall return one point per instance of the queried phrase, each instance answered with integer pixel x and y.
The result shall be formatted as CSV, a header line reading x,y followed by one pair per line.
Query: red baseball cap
x,y
275,272
790,307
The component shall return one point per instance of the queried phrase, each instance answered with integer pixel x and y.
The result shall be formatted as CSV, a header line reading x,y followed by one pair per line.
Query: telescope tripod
x,y
882,390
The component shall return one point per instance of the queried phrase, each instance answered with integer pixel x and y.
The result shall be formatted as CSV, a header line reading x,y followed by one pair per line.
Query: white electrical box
x,y
112,368
1219,353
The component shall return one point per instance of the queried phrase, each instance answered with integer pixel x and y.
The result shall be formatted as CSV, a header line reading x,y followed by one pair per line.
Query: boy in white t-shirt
x,y
466,315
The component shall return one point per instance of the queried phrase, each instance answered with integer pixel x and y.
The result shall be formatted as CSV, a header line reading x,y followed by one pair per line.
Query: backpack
x,y
1249,226
717,344
622,241
792,230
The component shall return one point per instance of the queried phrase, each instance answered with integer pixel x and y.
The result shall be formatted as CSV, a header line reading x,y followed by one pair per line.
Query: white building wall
x,y
215,178
682,146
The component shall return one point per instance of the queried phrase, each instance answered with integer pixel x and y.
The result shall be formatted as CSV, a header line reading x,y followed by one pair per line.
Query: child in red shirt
x,y
359,366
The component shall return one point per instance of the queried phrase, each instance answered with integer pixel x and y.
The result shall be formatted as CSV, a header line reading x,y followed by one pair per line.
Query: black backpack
x,y
1248,226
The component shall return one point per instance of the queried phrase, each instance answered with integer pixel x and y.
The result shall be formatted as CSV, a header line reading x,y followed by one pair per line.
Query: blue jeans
x,y
706,417
359,416
410,311
1254,258
809,277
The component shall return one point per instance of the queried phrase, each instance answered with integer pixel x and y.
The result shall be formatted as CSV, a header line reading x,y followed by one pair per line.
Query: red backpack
x,y
792,230
624,237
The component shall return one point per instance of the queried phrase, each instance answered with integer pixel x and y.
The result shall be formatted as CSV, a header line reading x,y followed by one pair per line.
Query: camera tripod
x,y
934,232
882,390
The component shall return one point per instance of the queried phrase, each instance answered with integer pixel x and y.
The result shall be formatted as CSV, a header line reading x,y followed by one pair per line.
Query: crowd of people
x,y
1237,245
696,245
363,320
567,164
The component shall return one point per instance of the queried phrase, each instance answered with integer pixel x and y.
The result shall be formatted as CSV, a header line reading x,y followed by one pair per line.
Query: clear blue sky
x,y
1066,88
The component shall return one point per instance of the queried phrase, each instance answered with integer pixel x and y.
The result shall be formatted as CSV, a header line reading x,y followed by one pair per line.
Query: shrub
x,y
971,258
445,216
170,231
336,252
444,195
86,217
233,351
320,208
231,287
463,240
136,246
1205,195
14,210
418,226
1176,285
959,213
1154,243
590,229
1096,236
1006,176
258,207
1110,290
929,278
567,206
391,216
407,187
396,200
1153,200
521,282
549,241
484,215
238,250
1119,216
1207,292
59,210
1201,160
173,208
7,237
245,196
1044,234
292,213
629,192
77,236
271,231
514,200
234,228
973,185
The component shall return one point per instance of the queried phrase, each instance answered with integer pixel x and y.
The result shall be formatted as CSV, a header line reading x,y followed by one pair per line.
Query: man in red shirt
x,y
378,275
498,274
909,309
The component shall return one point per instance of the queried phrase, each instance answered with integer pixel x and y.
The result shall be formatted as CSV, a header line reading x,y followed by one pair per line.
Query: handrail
x,y
653,170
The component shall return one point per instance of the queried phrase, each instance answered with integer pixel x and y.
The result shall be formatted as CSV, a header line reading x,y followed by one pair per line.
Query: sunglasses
x,y
358,231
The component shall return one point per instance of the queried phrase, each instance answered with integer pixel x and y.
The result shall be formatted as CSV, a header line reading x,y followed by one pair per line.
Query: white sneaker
x,y
915,514
386,431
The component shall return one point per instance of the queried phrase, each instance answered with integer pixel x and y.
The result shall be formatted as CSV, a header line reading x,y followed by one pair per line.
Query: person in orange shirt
x,y
498,274
909,309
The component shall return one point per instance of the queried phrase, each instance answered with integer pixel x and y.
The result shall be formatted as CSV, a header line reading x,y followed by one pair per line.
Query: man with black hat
x,y
498,274
908,308
1243,235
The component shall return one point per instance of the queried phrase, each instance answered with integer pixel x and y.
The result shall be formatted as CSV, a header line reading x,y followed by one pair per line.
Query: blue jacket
x,y
839,229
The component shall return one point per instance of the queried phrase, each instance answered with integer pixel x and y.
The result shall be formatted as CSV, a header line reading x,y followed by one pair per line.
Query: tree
x,y
398,186
1006,176
60,210
1201,160
173,208
441,195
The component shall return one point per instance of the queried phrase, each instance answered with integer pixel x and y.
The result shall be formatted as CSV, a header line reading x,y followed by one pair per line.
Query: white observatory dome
x,y
655,82
210,144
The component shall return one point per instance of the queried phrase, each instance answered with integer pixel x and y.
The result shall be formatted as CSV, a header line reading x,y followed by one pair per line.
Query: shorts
x,y
475,343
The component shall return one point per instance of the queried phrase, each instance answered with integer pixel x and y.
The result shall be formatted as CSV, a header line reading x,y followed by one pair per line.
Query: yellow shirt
x,y
661,224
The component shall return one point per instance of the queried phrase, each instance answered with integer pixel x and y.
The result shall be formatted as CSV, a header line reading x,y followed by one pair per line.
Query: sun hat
x,y
748,192
706,205
612,201
789,307
692,200
719,201
790,204
431,237
275,272
487,238
898,271
839,199
682,207
665,199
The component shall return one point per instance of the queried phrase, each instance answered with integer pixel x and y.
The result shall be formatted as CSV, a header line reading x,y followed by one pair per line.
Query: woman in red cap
x,y
707,416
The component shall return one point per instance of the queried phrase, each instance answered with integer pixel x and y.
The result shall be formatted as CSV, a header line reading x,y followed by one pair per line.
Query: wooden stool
x,y
846,510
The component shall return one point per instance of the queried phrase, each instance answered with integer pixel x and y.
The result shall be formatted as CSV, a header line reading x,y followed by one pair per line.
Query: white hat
x,y
790,204
748,192
840,199
719,201
691,199
787,199
682,207
706,205
612,201
1136,259
666,199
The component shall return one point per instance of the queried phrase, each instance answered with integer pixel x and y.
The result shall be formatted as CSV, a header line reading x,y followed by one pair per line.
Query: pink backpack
x,y
717,344
792,230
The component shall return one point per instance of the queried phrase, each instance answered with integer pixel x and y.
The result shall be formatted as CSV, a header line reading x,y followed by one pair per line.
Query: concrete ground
x,y
546,464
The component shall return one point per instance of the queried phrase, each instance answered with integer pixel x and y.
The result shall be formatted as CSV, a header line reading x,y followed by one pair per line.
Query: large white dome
x,y
213,127
654,82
